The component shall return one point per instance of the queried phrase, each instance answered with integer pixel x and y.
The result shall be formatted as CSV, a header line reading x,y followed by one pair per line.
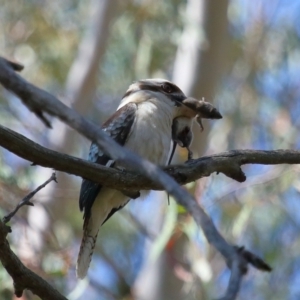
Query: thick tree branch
x,y
40,101
23,277
227,163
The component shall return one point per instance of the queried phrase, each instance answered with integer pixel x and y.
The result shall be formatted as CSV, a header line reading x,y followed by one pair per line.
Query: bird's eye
x,y
167,88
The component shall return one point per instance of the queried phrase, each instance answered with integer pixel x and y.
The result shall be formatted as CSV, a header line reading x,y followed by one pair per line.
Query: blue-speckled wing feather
x,y
118,127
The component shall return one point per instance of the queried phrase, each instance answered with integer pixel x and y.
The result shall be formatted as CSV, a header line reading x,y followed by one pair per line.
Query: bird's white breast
x,y
150,136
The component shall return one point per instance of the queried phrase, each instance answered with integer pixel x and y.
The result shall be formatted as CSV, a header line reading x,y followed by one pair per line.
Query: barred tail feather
x,y
106,204
86,248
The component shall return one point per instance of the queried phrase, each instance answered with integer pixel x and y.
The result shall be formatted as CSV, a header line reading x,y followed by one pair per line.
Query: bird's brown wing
x,y
118,127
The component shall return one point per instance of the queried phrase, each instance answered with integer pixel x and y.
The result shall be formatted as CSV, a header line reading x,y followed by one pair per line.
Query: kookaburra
x,y
182,126
142,123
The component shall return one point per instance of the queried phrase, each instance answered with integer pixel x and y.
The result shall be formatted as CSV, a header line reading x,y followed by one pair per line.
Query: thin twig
x,y
253,259
26,199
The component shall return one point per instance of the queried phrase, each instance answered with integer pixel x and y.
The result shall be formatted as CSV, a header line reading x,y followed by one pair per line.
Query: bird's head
x,y
160,89
166,92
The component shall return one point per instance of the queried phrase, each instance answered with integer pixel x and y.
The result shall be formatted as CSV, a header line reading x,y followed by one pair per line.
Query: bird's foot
x,y
190,154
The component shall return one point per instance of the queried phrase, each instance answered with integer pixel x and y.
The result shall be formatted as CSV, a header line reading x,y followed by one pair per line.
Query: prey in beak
x,y
182,125
202,110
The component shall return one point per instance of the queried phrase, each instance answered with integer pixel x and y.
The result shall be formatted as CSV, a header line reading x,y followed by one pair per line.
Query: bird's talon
x,y
190,154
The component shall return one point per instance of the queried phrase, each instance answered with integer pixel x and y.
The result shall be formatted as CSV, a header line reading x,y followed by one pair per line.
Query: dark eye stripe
x,y
150,87
167,88
175,93
172,88
129,92
144,86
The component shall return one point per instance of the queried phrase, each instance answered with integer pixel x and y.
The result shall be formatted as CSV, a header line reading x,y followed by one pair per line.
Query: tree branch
x,y
39,101
23,277
26,199
228,163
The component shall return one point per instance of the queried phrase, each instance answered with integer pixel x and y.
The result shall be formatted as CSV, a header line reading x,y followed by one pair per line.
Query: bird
x,y
182,134
142,123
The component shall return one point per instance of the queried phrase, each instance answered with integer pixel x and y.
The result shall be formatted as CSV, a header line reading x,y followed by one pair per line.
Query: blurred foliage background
x,y
242,55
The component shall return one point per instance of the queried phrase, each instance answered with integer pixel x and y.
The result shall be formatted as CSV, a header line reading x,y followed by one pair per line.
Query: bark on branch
x,y
40,102
229,163
23,277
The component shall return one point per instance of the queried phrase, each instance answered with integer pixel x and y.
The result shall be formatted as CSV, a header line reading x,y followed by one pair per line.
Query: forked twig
x,y
26,199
